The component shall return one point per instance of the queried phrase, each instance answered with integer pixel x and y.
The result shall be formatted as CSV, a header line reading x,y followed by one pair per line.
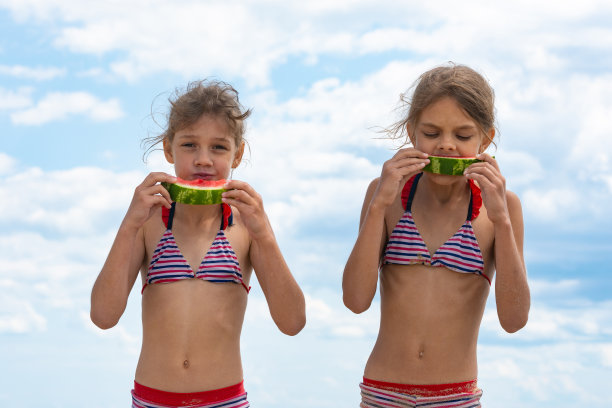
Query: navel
x,y
186,364
421,353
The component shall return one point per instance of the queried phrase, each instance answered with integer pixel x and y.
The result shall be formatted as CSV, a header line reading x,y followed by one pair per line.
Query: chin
x,y
444,179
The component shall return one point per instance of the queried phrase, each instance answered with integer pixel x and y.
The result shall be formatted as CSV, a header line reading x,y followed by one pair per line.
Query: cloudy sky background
x,y
82,83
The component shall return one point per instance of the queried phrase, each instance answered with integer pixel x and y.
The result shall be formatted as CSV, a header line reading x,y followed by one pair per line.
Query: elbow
x,y
102,320
294,326
512,325
356,305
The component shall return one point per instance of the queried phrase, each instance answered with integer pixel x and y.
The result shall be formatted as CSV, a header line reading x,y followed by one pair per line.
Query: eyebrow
x,y
462,127
192,136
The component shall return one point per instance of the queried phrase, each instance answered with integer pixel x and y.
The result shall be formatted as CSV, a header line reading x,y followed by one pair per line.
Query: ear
x,y
487,138
238,155
168,151
410,131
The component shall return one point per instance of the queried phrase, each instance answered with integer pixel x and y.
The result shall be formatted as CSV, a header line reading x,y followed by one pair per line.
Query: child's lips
x,y
203,176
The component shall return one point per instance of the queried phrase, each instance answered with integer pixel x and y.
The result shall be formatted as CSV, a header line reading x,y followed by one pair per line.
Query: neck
x,y
200,215
450,192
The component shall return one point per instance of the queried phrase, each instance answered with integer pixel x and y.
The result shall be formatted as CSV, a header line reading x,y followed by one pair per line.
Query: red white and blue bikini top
x,y
460,253
220,263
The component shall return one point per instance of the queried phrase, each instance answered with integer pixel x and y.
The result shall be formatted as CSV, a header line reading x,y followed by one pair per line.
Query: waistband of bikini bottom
x,y
424,390
187,398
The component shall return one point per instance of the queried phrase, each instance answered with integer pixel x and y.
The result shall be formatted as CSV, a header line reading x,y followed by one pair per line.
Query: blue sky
x,y
82,85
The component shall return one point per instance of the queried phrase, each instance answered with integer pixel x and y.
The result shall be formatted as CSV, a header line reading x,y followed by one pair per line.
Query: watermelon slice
x,y
196,191
452,166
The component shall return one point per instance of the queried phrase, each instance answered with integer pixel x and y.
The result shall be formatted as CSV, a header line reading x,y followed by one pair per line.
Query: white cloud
x,y
18,314
558,374
59,105
38,74
571,320
129,339
160,36
551,205
78,200
539,287
10,100
7,163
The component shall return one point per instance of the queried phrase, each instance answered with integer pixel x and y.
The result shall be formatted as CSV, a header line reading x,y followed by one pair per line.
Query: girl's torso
x,y
193,302
430,315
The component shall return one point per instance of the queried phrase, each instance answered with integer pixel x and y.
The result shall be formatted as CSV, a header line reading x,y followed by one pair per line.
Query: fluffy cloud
x,y
7,163
76,201
160,36
59,105
17,314
38,74
10,100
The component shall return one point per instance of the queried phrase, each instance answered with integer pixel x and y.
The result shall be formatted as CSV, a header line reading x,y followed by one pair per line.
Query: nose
x,y
203,158
446,143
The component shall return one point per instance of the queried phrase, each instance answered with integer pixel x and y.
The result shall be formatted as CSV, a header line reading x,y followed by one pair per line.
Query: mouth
x,y
452,157
202,176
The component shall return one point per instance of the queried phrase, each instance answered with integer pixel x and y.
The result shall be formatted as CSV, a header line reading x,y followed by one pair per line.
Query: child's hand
x,y
396,171
493,186
147,197
250,204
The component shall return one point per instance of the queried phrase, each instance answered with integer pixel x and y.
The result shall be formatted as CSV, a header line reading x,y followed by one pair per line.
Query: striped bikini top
x,y
220,263
460,253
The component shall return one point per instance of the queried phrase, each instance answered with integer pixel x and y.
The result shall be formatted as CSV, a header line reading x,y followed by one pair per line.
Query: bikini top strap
x,y
168,215
227,217
409,190
475,201
475,196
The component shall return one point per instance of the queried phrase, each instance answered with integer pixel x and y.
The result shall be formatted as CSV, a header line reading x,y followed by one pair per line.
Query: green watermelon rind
x,y
451,166
197,196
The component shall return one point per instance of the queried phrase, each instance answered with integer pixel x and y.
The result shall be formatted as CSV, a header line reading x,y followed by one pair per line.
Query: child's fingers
x,y
487,158
157,177
243,191
488,171
240,185
158,200
155,191
409,164
238,196
410,153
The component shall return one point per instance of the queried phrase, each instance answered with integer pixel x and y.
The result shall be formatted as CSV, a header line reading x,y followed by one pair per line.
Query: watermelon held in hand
x,y
196,191
452,166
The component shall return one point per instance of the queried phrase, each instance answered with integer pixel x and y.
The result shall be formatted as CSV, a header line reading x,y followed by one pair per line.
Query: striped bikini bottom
x,y
229,397
379,394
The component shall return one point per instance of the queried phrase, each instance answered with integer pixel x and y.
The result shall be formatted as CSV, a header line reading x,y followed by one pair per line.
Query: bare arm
x,y
511,288
504,210
361,271
114,283
112,287
360,276
283,295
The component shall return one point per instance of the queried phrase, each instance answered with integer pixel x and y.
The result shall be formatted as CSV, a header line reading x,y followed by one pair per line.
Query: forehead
x,y
206,126
446,111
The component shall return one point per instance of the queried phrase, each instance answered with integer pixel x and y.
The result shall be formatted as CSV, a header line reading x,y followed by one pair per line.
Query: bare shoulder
x,y
371,188
154,226
514,202
237,229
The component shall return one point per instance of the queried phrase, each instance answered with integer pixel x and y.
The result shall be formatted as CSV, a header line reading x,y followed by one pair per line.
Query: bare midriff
x,y
429,325
191,336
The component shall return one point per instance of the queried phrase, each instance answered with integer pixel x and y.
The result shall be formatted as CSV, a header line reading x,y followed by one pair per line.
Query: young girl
x,y
437,241
195,262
